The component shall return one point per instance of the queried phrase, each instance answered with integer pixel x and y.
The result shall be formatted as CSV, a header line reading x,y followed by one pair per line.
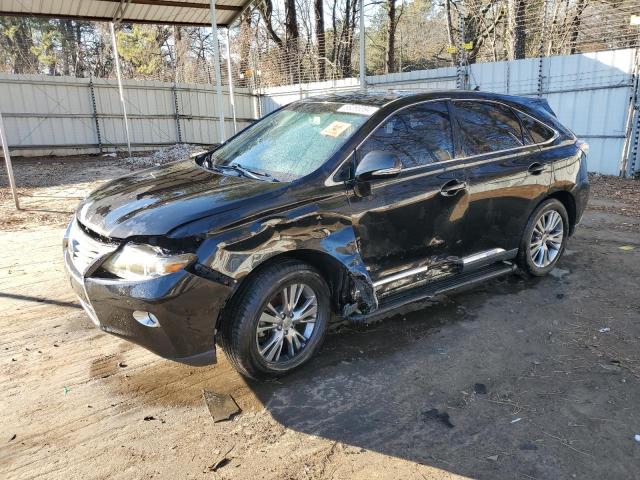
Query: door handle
x,y
536,168
452,187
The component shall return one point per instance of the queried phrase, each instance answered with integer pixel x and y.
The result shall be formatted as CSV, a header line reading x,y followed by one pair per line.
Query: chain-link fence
x,y
286,42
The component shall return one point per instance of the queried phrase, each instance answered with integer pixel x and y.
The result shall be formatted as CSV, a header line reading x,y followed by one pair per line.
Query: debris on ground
x,y
122,365
148,418
604,330
528,446
435,414
559,272
164,155
480,388
637,437
515,420
493,458
66,390
221,406
221,460
626,248
13,437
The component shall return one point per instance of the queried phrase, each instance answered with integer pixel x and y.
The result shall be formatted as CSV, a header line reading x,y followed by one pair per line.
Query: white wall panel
x,y
49,115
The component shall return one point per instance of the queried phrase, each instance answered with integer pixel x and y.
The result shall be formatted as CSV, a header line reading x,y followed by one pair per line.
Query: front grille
x,y
84,250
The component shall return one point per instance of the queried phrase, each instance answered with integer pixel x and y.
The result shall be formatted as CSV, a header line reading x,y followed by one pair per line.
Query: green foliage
x,y
139,47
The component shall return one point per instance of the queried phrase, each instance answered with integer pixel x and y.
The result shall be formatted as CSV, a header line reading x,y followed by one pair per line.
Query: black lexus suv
x,y
352,204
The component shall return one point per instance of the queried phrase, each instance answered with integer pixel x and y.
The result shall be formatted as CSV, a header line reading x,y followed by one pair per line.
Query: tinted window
x,y
418,135
535,132
487,127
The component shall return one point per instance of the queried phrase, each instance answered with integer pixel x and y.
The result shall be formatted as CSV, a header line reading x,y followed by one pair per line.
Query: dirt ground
x,y
535,379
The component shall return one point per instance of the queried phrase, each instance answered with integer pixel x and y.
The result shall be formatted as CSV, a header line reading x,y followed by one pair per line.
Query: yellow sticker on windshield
x,y
335,129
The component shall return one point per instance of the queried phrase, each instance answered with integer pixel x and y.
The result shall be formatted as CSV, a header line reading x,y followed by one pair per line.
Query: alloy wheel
x,y
546,239
287,323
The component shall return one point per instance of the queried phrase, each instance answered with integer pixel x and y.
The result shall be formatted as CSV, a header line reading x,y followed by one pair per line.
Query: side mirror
x,y
378,164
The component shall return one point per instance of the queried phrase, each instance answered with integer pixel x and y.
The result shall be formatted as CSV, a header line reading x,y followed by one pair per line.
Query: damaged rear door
x,y
410,228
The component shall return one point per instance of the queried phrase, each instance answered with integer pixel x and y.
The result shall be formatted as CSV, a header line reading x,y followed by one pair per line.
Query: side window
x,y
487,127
418,135
534,131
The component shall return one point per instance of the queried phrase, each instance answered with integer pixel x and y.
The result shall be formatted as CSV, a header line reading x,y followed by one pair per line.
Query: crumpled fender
x,y
240,250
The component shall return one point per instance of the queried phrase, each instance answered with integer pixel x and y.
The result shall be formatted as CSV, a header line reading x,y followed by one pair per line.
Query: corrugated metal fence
x,y
595,94
67,115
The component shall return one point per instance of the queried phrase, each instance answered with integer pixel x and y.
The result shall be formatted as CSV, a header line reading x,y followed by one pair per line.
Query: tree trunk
x,y
266,10
25,60
351,30
343,55
318,11
334,50
452,40
519,31
391,36
291,39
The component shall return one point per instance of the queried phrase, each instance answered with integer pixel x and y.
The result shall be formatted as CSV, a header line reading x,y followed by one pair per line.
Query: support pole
x,y
95,113
124,107
216,67
7,161
461,81
232,98
542,51
363,70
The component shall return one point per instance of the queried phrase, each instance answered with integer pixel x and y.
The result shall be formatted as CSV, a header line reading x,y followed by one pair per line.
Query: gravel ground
x,y
532,379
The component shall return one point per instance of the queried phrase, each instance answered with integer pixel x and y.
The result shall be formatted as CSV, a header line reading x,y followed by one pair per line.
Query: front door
x,y
409,228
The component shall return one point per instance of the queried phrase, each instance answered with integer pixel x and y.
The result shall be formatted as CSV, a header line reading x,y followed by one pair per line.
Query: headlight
x,y
139,262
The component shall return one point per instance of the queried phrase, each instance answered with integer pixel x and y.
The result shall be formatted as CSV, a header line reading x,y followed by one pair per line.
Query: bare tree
x,y
318,11
390,65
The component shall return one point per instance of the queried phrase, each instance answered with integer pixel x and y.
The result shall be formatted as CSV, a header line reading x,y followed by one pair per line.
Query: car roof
x,y
381,98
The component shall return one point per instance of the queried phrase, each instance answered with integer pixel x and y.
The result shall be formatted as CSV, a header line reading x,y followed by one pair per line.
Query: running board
x,y
428,291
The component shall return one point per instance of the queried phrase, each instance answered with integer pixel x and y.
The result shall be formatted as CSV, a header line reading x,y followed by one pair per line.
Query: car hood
x,y
155,201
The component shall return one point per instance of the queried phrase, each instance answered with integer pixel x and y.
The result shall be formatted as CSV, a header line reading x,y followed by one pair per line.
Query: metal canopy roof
x,y
169,12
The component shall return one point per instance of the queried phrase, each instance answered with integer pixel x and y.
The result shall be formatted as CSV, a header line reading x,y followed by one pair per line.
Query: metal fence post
x,y
362,59
95,113
629,159
176,110
216,68
7,162
120,87
461,80
543,43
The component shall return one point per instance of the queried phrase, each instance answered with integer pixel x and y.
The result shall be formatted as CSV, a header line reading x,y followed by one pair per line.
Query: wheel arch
x,y
339,279
569,203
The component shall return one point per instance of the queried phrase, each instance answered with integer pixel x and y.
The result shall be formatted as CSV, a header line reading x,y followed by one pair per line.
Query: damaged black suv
x,y
352,204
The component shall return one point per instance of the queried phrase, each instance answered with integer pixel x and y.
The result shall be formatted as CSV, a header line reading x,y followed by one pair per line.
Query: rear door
x,y
409,228
507,173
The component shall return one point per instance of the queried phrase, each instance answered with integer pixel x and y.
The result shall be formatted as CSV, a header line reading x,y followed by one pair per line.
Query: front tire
x,y
277,321
544,239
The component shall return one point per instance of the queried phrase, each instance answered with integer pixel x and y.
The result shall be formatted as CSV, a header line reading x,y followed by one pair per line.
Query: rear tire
x,y
277,321
544,238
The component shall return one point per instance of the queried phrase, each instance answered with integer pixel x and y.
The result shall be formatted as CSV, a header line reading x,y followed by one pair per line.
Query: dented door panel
x,y
406,222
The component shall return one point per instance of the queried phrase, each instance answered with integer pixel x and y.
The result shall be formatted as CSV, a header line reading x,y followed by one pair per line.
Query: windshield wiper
x,y
247,172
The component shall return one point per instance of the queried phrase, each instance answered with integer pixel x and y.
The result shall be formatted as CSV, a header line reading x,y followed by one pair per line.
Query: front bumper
x,y
186,306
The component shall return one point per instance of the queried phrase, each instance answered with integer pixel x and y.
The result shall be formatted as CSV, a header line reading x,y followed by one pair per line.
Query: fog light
x,y
145,318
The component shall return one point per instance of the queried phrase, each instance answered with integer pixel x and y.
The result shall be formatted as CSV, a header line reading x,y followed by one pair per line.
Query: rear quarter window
x,y
534,131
